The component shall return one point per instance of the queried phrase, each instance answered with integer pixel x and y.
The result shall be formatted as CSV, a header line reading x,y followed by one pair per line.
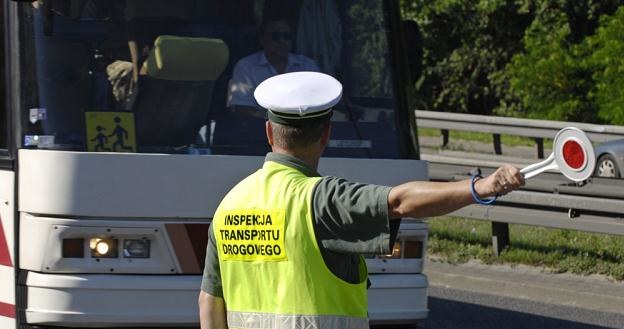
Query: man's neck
x,y
278,62
310,158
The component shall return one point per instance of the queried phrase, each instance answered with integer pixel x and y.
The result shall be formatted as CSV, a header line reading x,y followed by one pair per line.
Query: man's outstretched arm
x,y
426,199
211,312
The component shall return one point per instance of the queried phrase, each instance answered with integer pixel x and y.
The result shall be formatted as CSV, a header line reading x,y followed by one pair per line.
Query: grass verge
x,y
458,240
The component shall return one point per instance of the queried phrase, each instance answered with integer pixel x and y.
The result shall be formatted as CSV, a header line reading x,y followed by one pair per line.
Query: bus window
x,y
327,36
358,54
178,77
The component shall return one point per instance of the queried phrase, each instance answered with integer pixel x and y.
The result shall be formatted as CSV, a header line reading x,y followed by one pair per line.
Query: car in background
x,y
610,159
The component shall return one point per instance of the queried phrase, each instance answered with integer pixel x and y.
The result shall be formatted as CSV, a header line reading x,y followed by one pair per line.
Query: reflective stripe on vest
x,y
250,320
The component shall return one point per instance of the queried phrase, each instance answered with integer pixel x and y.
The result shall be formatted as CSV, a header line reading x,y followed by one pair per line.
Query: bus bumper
x,y
397,298
103,300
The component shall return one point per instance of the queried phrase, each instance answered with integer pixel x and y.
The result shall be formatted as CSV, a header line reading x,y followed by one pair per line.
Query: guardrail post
x,y
540,147
500,237
497,144
445,137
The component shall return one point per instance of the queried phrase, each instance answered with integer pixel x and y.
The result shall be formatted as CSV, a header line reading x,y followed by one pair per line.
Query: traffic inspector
x,y
284,245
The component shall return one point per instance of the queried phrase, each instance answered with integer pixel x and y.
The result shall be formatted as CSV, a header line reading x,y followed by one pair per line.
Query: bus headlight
x,y
396,251
136,248
405,249
103,248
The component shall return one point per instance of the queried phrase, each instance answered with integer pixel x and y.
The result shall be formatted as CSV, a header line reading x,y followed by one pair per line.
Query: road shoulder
x,y
525,282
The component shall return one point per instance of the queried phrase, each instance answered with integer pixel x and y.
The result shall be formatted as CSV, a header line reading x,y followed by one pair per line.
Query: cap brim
x,y
297,120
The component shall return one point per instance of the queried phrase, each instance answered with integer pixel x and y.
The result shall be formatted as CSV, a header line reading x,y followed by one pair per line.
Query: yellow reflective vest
x,y
272,270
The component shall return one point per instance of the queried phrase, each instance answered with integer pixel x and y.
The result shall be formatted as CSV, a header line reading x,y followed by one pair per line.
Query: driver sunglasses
x,y
276,36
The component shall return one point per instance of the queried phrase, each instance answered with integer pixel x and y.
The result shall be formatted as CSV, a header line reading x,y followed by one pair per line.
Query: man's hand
x,y
504,180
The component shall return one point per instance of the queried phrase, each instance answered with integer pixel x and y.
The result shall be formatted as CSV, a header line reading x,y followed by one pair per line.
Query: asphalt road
x,y
450,308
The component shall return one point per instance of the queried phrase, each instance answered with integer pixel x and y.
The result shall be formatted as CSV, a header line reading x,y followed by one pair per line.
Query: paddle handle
x,y
538,168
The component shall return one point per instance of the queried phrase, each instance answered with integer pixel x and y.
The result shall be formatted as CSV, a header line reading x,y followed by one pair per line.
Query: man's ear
x,y
269,131
326,134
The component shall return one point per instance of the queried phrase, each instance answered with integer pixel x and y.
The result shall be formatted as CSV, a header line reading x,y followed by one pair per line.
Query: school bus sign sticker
x,y
110,132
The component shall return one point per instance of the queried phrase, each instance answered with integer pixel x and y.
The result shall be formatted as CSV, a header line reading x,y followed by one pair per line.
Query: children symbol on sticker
x,y
101,140
121,134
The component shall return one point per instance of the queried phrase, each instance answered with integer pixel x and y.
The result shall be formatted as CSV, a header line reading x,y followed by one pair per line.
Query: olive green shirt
x,y
349,219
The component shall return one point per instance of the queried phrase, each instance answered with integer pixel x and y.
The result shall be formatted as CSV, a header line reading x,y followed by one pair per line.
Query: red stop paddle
x,y
573,155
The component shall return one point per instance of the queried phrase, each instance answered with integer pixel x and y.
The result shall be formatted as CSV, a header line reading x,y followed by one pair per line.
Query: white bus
x,y
119,138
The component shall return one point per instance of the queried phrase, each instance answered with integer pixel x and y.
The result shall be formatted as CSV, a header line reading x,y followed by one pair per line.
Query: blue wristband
x,y
478,200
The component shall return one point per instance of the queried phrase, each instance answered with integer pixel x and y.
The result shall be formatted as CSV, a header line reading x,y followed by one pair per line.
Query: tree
x,y
550,79
530,58
606,61
466,47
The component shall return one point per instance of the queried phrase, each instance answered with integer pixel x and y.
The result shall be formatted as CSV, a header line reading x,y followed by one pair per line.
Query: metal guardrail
x,y
596,205
538,129
513,126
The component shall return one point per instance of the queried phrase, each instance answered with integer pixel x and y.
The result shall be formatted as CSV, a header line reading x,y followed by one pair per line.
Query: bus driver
x,y
276,39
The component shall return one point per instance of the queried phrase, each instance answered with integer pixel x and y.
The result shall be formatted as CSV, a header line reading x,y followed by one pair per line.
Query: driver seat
x,y
175,94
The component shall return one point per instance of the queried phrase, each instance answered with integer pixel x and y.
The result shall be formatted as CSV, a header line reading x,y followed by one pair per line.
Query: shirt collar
x,y
292,59
262,60
293,162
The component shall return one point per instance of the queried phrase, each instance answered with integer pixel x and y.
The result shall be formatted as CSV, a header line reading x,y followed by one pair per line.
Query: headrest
x,y
187,59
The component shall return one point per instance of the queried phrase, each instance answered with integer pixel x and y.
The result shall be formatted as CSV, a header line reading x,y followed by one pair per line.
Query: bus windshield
x,y
163,76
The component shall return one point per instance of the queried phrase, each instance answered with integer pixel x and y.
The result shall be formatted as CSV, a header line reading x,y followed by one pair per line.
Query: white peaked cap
x,y
298,95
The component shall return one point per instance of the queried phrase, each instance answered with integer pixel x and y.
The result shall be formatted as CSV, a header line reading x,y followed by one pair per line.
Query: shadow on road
x,y
446,313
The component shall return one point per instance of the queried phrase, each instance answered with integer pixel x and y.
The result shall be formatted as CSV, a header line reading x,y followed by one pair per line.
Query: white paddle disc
x,y
573,155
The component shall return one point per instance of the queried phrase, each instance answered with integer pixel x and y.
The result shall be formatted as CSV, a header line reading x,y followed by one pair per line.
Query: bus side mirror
x,y
414,49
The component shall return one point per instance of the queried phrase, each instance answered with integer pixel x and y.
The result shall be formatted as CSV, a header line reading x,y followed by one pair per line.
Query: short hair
x,y
296,137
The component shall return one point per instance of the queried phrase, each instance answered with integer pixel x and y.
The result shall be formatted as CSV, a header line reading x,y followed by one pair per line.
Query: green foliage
x,y
368,43
606,61
546,59
466,45
548,77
